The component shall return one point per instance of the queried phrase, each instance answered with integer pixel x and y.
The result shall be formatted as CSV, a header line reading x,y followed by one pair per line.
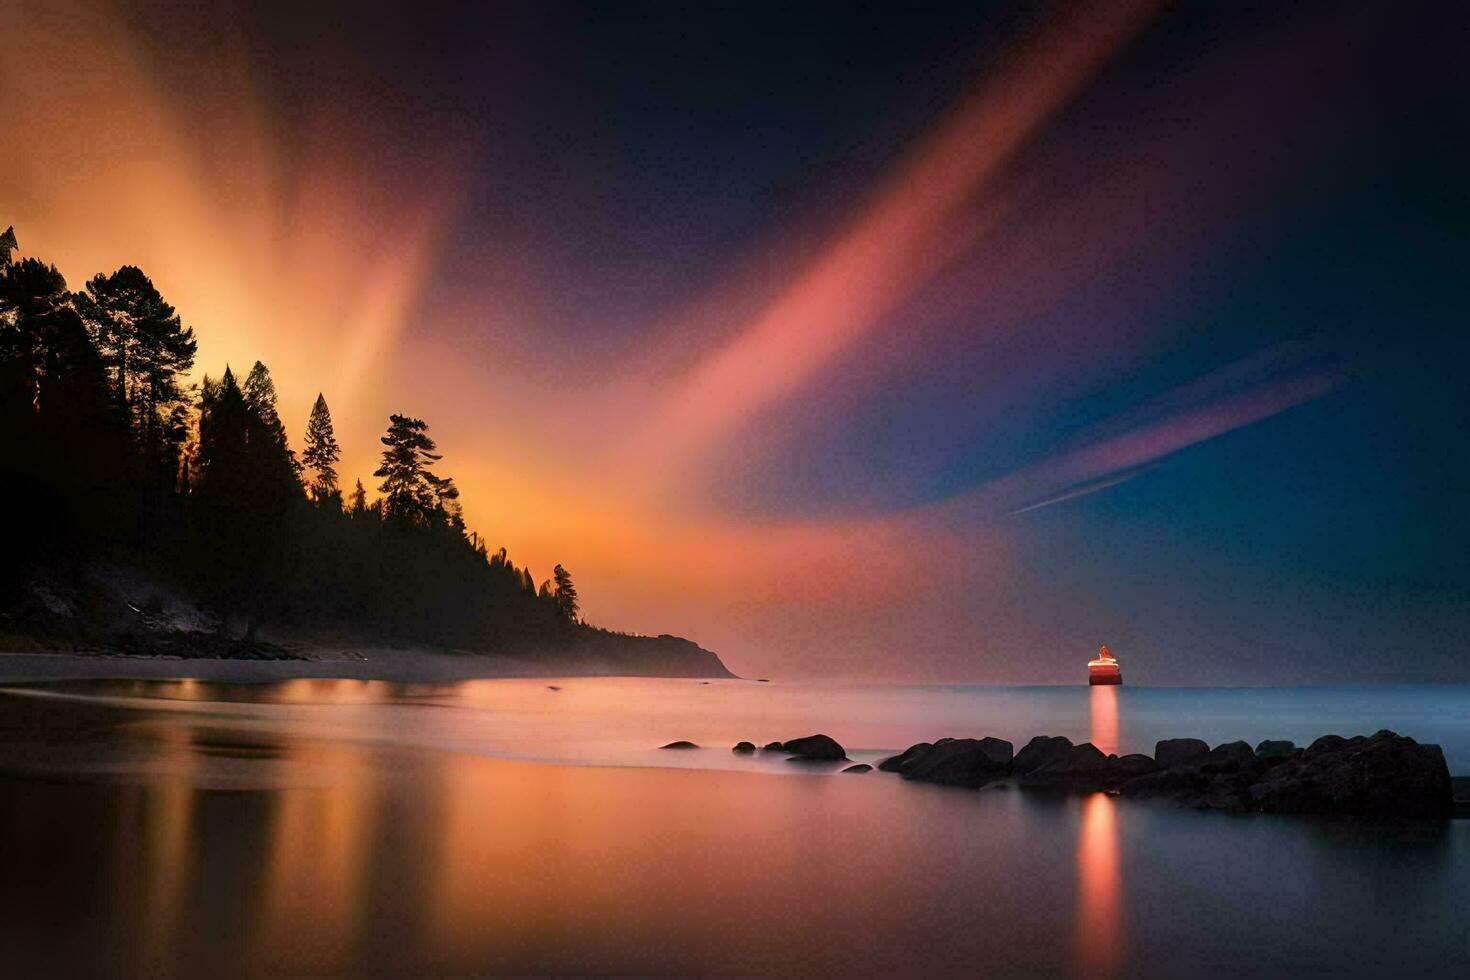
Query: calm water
x,y
351,827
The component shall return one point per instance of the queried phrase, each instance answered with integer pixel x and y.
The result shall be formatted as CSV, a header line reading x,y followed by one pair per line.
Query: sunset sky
x,y
935,342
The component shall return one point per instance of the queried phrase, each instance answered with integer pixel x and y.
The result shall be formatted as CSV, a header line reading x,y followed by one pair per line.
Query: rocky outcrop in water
x,y
897,763
1040,751
1174,752
815,748
744,747
681,744
1383,775
960,762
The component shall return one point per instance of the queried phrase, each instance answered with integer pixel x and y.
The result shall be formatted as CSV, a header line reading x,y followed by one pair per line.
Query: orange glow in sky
x,y
312,250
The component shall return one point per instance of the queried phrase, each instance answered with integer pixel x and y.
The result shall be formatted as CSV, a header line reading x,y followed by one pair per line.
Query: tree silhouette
x,y
359,500
146,347
246,490
269,431
565,594
64,449
322,453
113,458
411,492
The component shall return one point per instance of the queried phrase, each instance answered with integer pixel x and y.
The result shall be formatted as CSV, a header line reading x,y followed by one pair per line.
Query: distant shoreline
x,y
409,665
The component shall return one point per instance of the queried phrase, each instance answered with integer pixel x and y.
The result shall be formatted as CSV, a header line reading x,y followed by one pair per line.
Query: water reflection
x,y
1099,878
1103,709
211,844
1099,886
319,853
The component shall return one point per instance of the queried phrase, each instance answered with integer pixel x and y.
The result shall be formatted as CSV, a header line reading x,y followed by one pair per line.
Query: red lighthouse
x,y
1105,669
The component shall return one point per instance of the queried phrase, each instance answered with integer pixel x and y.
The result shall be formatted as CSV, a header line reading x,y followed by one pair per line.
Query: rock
x,y
1230,757
815,748
744,747
1083,768
1172,753
860,767
1327,743
961,762
681,744
771,747
1180,786
897,763
1131,766
1275,750
1385,775
1039,751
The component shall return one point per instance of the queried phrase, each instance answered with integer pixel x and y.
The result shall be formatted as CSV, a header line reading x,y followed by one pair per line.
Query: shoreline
x,y
405,665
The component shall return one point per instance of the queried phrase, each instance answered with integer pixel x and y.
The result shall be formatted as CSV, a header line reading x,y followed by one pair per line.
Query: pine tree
x,y
246,494
223,433
566,594
359,500
64,449
322,452
411,491
145,346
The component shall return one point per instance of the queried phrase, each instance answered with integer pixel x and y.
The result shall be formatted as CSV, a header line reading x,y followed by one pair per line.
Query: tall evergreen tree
x,y
411,491
322,452
223,433
566,594
147,349
259,392
64,451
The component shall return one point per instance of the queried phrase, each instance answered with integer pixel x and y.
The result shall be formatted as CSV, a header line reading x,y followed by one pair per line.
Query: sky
x,y
934,343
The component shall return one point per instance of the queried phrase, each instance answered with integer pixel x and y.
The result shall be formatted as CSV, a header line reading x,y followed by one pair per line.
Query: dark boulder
x,y
771,747
1040,751
860,767
1385,775
1127,767
961,762
1083,768
1173,753
814,748
681,744
744,747
1275,749
897,763
1326,744
1181,786
1230,757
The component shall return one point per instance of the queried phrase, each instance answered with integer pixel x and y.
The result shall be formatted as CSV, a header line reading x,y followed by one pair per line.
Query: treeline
x,y
106,450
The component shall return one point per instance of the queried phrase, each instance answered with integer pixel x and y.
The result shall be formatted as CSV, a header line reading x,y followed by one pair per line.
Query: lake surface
x,y
349,827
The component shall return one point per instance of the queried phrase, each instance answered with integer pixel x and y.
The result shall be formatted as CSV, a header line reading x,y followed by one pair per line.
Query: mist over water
x,y
350,827
622,721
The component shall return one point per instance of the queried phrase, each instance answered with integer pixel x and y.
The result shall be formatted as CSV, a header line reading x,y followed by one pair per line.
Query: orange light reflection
x,y
1099,884
1104,712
